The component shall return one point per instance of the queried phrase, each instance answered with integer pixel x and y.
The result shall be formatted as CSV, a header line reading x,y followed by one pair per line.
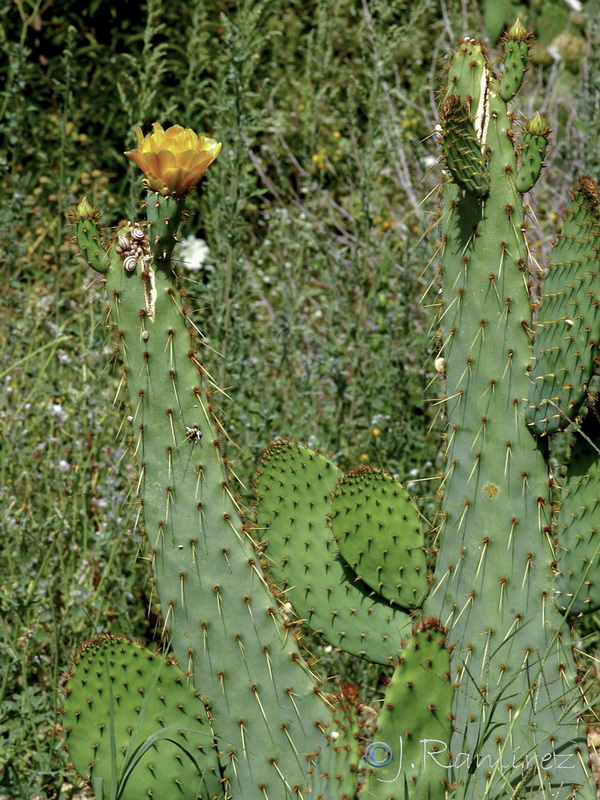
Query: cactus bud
x,y
515,43
85,218
84,210
533,151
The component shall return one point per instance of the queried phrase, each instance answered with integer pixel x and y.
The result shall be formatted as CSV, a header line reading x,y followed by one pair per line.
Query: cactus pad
x,y
294,487
515,43
85,220
337,773
566,345
378,530
164,215
462,148
133,726
579,523
533,151
414,723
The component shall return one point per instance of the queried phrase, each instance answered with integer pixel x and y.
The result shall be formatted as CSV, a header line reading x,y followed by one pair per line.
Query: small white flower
x,y
58,412
193,252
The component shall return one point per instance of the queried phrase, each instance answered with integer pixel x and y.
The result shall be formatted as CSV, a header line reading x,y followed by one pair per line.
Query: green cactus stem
x,y
219,617
337,776
88,235
380,535
462,147
133,726
409,757
164,217
515,42
515,705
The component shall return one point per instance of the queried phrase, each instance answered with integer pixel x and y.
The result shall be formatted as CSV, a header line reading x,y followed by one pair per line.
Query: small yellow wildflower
x,y
376,432
174,160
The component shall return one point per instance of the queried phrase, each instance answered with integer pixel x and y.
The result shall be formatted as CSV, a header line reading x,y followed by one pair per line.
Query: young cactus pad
x,y
294,489
133,726
379,533
337,776
409,758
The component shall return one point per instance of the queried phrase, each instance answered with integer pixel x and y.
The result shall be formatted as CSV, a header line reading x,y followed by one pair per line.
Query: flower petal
x,y
173,160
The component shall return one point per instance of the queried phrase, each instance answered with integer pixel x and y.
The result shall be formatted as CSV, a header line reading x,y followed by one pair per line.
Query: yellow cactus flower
x,y
174,160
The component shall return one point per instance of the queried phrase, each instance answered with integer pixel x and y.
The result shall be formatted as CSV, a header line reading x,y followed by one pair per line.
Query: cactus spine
x,y
485,699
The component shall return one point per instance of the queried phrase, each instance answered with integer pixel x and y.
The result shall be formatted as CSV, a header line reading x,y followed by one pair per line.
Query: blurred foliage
x,y
305,258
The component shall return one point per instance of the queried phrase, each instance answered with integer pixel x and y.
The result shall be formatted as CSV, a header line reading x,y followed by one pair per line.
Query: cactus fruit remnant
x,y
485,700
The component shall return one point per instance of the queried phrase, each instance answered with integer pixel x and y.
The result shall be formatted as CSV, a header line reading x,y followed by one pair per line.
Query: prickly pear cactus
x,y
485,700
379,533
568,323
295,488
578,523
410,758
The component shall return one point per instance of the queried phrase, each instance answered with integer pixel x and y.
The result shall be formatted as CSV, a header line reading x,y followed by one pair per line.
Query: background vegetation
x,y
306,256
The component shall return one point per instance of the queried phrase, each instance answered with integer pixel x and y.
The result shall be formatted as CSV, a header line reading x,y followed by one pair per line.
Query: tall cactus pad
x,y
565,351
294,489
221,619
579,523
462,147
515,43
409,759
515,673
133,725
379,533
